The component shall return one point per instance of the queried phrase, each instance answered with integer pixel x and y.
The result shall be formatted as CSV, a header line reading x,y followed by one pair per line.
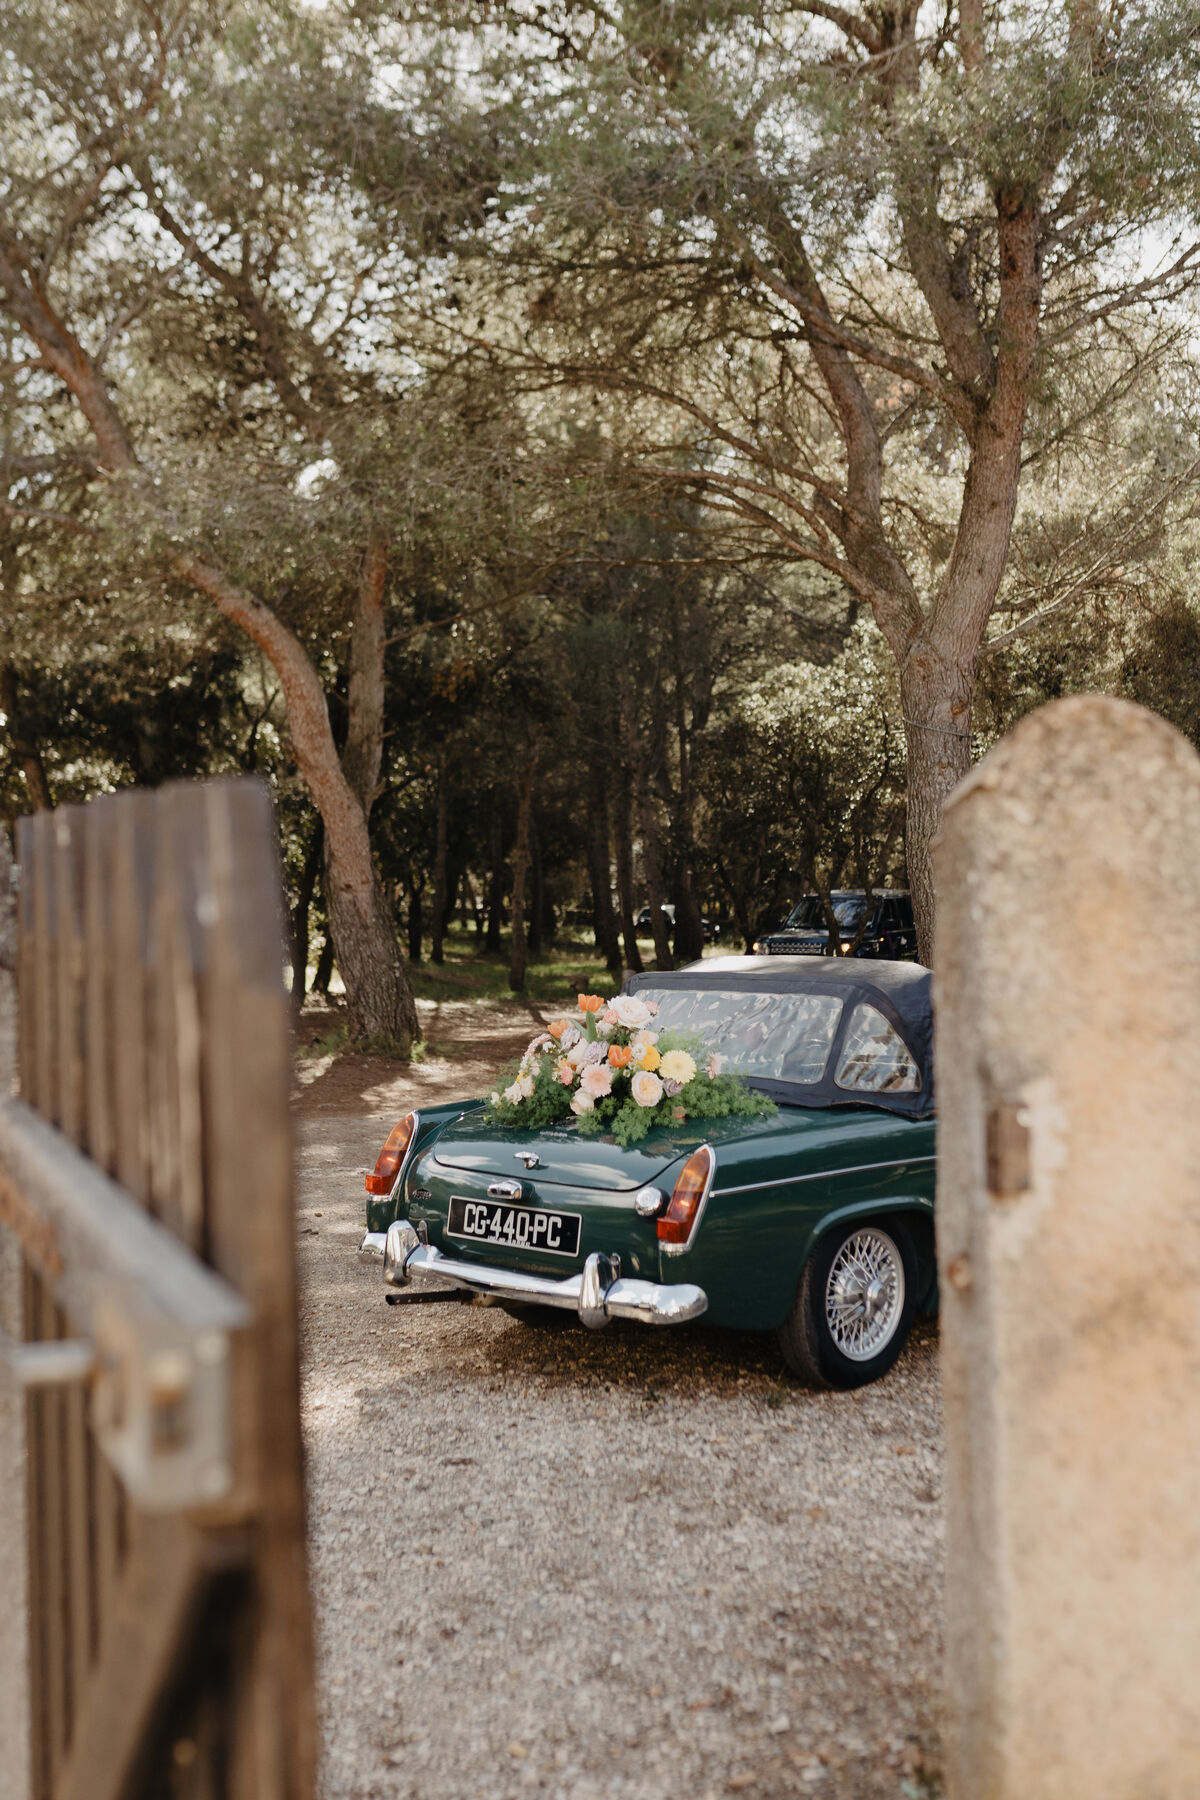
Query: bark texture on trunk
x,y
516,966
414,924
623,832
440,855
608,941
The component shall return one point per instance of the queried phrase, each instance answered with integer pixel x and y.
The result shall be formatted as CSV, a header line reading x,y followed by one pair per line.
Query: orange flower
x,y
619,1055
592,1003
556,1027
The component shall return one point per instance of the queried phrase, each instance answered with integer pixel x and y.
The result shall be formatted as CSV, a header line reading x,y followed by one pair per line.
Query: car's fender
x,y
750,1248
383,1209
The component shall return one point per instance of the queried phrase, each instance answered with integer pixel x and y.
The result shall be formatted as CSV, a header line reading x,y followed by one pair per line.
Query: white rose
x,y
513,1094
582,1103
631,1012
525,1084
577,1055
647,1088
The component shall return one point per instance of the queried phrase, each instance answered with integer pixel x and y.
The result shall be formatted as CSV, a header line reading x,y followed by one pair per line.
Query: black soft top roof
x,y
901,991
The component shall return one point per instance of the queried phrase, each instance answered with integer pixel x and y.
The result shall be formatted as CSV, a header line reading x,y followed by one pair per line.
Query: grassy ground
x,y
551,976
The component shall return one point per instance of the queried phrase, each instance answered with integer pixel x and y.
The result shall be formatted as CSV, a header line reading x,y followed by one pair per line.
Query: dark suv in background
x,y
889,931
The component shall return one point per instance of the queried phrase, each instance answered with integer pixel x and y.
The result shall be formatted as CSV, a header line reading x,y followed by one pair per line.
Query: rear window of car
x,y
875,1059
777,1037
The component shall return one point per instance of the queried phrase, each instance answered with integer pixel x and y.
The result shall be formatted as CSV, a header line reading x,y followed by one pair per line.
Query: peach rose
x,y
591,1003
596,1080
565,1072
647,1088
619,1055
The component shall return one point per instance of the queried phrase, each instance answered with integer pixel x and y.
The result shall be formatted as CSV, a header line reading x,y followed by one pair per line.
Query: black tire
x,y
806,1339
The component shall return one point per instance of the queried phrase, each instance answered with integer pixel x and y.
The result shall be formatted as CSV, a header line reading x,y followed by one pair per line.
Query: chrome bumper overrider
x,y
598,1294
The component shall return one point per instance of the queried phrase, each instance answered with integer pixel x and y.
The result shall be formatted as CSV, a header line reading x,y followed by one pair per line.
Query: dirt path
x,y
593,1564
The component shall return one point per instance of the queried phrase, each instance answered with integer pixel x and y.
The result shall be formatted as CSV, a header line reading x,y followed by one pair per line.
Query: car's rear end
x,y
543,1218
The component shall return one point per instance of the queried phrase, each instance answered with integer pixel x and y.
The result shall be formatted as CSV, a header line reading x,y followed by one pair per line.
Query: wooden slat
x,y
77,1546
132,879
68,970
108,1512
39,1747
99,1029
249,1152
45,978
158,1592
26,960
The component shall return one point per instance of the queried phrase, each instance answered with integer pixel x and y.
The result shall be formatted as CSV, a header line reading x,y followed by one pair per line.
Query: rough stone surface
x,y
1068,1008
596,1564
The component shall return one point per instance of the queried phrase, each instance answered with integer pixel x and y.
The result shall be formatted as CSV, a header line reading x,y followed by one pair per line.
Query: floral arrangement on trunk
x,y
614,1072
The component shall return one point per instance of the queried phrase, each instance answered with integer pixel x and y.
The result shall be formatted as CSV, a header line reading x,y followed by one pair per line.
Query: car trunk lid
x,y
565,1159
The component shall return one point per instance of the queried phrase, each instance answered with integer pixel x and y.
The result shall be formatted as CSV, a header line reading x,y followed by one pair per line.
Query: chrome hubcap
x,y
864,1295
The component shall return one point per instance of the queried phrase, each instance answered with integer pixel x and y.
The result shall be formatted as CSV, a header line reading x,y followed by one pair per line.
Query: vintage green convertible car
x,y
815,1221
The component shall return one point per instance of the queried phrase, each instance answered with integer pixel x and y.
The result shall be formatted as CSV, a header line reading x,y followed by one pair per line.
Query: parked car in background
x,y
711,932
889,931
814,1221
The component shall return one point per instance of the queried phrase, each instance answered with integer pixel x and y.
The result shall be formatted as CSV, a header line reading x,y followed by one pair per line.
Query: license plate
x,y
517,1227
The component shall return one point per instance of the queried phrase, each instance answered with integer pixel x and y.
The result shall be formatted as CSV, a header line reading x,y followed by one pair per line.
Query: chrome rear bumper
x,y
597,1294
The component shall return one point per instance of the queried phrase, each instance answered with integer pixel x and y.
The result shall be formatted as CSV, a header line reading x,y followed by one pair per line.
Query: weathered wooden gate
x,y
145,1173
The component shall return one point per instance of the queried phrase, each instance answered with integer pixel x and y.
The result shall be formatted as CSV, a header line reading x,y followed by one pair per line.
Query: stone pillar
x,y
14,1616
1067,999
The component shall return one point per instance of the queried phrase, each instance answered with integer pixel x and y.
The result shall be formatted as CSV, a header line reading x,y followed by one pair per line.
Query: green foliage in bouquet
x,y
614,1073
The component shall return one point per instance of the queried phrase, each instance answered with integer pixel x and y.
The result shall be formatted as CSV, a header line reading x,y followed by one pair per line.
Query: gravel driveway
x,y
589,1564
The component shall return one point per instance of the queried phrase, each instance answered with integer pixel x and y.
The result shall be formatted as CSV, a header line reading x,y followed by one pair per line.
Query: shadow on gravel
x,y
658,1364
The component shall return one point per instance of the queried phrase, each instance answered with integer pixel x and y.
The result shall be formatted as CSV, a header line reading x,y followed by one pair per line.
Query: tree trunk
x,y
516,966
496,885
414,923
537,889
25,746
441,843
645,809
300,912
689,932
936,699
623,832
324,969
362,758
608,942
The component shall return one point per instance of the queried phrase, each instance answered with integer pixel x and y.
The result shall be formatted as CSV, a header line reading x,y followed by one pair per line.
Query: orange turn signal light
x,y
678,1222
392,1156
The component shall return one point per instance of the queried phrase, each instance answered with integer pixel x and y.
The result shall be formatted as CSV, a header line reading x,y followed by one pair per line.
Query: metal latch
x,y
153,1326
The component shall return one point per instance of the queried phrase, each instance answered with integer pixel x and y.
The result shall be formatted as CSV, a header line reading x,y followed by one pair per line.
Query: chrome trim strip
x,y
901,1162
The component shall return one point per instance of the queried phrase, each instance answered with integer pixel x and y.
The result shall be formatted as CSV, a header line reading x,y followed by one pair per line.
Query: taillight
x,y
392,1156
687,1197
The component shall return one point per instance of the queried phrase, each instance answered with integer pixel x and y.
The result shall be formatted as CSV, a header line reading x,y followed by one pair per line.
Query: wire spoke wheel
x,y
864,1294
